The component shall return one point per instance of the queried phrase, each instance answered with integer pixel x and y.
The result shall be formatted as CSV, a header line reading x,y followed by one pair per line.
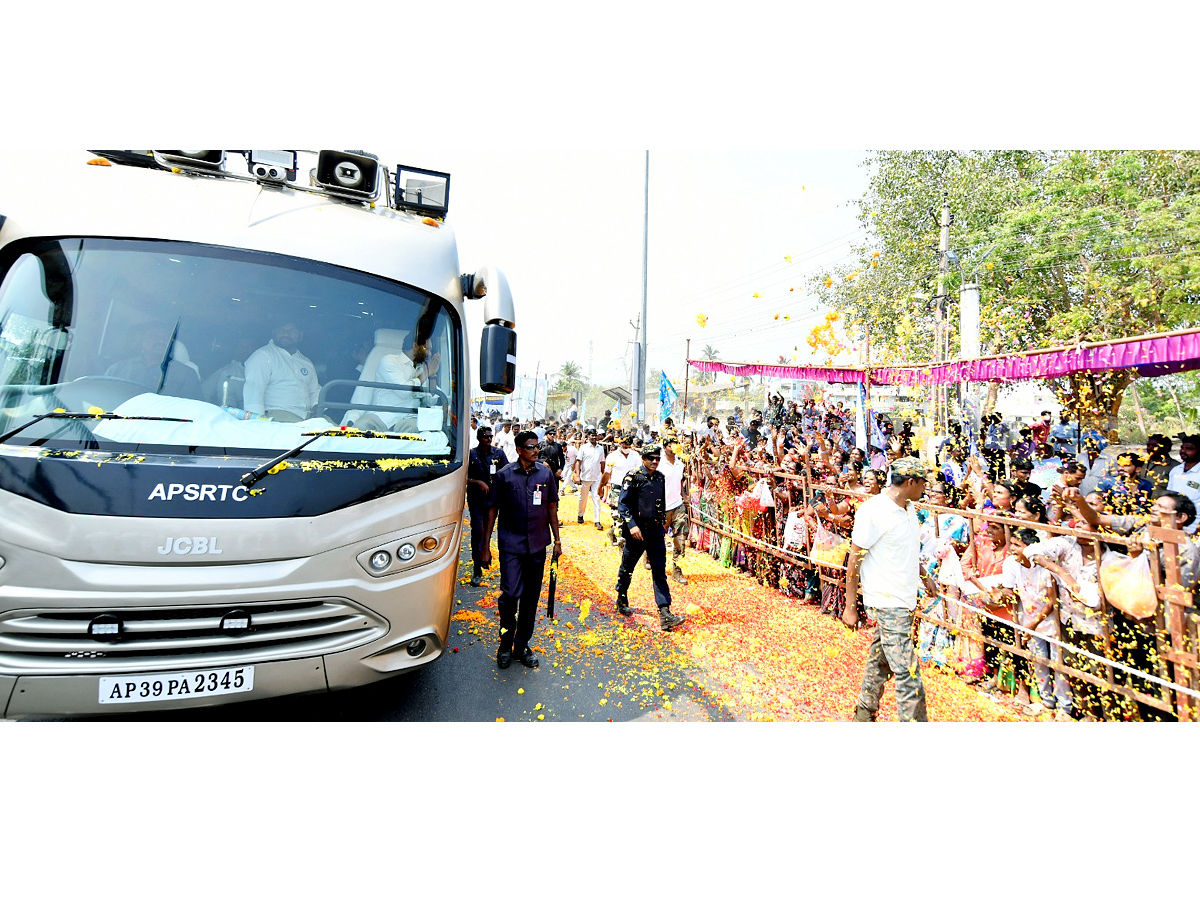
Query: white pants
x,y
589,489
1053,687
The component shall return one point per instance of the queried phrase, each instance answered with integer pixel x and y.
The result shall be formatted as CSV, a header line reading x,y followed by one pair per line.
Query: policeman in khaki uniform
x,y
641,510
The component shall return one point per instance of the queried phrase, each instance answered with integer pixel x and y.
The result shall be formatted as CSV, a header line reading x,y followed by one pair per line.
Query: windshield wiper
x,y
268,468
66,415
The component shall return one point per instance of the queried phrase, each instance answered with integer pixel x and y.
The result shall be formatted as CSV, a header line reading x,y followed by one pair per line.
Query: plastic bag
x,y
950,571
1128,584
828,548
763,494
795,532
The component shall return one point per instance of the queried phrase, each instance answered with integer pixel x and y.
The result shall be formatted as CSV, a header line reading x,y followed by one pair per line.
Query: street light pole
x,y
640,399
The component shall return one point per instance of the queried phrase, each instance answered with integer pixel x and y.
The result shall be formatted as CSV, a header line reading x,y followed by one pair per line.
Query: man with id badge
x,y
524,497
483,463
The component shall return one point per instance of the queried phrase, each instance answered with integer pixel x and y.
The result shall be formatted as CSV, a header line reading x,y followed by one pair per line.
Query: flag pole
x,y
687,376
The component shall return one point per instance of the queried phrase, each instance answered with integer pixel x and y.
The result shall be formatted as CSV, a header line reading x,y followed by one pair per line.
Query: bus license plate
x,y
176,685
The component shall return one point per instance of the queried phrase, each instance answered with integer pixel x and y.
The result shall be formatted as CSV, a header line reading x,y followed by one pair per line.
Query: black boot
x,y
668,620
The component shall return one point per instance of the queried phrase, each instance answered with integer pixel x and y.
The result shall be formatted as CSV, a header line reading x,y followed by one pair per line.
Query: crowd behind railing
x,y
1066,575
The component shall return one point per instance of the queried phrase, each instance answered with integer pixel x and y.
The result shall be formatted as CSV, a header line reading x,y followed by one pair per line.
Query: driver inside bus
x,y
281,382
156,367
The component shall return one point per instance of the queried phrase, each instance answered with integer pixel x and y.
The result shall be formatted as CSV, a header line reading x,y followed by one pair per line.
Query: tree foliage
x,y
1079,245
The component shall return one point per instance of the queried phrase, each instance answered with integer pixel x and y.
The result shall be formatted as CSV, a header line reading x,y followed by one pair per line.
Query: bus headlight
x,y
380,560
406,552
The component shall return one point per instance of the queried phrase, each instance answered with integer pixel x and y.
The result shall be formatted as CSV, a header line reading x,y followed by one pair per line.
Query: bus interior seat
x,y
387,342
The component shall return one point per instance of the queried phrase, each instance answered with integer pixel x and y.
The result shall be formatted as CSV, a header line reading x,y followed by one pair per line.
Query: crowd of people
x,y
1003,532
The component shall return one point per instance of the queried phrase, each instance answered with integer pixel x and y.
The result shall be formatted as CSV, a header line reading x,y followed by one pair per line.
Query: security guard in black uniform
x,y
642,515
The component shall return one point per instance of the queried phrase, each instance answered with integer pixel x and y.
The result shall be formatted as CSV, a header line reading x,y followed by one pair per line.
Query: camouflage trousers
x,y
892,653
677,527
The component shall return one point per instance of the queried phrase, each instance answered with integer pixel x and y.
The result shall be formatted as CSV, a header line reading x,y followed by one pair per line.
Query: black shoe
x,y
503,659
599,527
526,658
476,580
623,607
579,520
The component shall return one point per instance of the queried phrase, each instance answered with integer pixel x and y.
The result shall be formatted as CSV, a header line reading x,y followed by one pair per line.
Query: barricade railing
x,y
1173,684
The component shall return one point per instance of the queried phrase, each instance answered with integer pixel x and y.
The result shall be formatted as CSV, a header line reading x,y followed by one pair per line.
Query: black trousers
x,y
653,545
478,513
520,588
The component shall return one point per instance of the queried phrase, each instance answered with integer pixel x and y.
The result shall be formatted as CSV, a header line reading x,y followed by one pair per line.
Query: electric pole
x,y
941,330
640,398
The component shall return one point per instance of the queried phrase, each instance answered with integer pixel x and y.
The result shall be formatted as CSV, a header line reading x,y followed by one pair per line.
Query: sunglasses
x,y
528,447
651,458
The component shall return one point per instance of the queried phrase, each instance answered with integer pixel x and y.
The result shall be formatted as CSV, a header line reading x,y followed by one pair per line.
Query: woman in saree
x,y
981,567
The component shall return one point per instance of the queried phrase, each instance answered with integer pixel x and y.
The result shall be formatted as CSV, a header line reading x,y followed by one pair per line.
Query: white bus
x,y
233,425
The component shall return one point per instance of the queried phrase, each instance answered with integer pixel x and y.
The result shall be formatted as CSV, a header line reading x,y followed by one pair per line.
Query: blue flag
x,y
860,419
668,397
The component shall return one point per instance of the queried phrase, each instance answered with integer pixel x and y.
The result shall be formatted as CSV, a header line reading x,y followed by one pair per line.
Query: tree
x,y
568,379
1081,245
709,353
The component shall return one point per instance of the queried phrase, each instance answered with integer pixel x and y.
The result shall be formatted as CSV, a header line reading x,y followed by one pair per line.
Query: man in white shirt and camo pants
x,y
885,549
677,521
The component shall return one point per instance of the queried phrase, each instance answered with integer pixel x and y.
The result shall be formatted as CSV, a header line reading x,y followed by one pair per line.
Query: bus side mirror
x,y
498,348
498,360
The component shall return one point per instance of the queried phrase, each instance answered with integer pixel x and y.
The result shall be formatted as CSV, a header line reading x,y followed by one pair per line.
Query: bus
x,y
234,401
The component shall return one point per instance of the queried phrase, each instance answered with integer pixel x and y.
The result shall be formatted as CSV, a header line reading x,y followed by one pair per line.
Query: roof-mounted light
x,y
204,161
422,190
349,175
273,166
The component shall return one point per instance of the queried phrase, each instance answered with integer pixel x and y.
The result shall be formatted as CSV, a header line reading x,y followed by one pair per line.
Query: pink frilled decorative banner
x,y
1160,354
803,373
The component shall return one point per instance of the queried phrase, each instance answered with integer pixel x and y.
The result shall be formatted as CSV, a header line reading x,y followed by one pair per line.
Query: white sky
x,y
569,234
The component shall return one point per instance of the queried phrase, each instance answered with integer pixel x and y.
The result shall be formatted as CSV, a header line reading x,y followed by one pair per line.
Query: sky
x,y
568,233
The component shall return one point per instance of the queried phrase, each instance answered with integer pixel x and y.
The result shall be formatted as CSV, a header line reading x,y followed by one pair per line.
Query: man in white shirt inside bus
x,y
281,382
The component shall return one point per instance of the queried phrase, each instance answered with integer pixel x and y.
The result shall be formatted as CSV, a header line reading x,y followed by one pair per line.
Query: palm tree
x,y
570,371
710,353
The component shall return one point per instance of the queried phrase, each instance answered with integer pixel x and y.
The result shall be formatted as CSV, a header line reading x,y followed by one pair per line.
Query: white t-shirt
x,y
591,462
1031,584
673,473
889,574
276,379
619,465
1083,612
1188,484
506,441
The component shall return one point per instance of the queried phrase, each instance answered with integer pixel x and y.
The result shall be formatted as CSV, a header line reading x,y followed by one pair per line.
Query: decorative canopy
x,y
1153,354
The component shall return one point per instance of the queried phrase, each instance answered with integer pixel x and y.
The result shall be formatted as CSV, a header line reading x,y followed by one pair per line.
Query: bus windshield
x,y
249,353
